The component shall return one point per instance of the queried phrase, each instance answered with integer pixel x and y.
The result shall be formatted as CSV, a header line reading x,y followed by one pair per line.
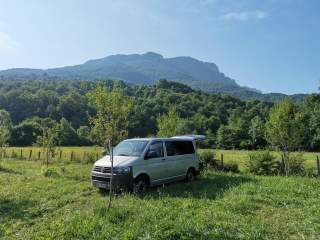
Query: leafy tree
x,y
111,123
209,142
257,132
175,86
224,138
171,124
238,126
113,114
310,109
73,107
25,133
285,129
49,138
5,130
314,128
84,133
67,136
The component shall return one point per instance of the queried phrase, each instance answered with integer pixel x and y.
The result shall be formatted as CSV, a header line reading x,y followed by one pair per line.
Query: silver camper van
x,y
143,162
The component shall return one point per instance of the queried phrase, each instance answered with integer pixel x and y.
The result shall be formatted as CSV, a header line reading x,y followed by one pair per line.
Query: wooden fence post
x,y
318,166
60,155
97,156
84,156
30,154
71,156
39,155
21,153
222,166
283,166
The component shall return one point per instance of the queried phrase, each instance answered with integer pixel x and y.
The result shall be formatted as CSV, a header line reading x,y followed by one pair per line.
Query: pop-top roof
x,y
191,137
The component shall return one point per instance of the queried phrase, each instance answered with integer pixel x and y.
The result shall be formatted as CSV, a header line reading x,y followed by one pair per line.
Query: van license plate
x,y
101,185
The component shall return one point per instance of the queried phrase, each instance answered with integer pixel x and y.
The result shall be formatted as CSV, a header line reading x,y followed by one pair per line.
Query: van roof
x,y
183,137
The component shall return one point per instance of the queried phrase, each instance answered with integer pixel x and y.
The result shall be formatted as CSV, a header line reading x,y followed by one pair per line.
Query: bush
x,y
50,172
295,164
263,163
231,167
310,171
206,158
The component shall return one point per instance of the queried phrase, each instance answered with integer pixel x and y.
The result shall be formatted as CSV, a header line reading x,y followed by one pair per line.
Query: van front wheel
x,y
140,186
190,175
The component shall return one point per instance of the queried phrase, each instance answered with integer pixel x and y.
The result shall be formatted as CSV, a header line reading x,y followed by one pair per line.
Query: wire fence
x,y
63,155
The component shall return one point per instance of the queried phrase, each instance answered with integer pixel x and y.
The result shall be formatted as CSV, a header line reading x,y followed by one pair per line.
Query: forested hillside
x,y
227,121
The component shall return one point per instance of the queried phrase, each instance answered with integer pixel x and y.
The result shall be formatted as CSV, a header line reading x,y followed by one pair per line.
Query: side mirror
x,y
151,154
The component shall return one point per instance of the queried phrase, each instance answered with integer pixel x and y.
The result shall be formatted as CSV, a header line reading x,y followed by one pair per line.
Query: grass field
x,y
216,206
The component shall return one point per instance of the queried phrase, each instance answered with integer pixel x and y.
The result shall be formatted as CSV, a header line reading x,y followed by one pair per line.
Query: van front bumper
x,y
119,181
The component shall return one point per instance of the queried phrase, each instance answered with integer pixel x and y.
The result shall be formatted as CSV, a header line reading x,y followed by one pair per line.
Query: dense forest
x,y
228,122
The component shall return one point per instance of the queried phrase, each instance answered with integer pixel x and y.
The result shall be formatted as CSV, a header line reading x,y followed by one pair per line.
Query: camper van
x,y
145,162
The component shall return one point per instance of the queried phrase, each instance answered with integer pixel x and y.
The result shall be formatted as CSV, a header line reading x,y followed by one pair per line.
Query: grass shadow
x,y
77,178
209,187
8,170
11,209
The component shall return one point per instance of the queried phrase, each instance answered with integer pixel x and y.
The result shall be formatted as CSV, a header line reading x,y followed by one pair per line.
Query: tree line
x,y
68,108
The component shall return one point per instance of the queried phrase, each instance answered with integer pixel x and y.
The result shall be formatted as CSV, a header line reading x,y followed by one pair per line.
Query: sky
x,y
270,45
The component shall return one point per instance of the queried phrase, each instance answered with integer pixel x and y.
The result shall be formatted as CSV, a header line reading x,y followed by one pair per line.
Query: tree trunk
x,y
286,160
47,158
111,179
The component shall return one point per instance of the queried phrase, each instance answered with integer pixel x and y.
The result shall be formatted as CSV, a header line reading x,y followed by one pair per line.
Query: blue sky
x,y
271,45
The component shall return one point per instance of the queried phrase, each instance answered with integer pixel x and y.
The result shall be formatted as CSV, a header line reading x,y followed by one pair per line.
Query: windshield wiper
x,y
122,154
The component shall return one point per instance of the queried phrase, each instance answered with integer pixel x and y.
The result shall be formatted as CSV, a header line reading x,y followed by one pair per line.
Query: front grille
x,y
102,169
102,179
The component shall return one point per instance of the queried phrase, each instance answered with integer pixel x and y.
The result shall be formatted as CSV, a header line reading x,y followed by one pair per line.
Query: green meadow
x,y
64,205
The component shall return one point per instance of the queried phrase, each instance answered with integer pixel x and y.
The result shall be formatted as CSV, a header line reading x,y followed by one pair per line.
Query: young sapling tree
x,y
110,124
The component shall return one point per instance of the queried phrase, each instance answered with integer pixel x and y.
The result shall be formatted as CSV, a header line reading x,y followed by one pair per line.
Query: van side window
x,y
155,150
179,147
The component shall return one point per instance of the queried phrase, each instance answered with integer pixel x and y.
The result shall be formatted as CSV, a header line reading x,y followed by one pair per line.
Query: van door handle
x,y
163,159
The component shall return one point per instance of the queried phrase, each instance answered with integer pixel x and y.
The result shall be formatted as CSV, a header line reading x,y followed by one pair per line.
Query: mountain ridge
x,y
148,68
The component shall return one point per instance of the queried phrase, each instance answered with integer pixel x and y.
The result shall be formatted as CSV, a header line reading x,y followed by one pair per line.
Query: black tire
x,y
140,186
190,176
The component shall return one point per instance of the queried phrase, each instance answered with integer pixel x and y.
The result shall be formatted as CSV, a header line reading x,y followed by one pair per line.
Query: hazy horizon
x,y
271,46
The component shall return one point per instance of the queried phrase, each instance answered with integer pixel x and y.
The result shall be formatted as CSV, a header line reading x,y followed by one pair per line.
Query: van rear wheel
x,y
140,186
190,175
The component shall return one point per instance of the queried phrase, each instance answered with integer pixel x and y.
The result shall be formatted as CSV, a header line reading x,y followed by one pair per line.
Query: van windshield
x,y
130,148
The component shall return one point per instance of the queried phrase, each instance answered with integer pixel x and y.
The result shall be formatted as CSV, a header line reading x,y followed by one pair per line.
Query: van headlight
x,y
121,170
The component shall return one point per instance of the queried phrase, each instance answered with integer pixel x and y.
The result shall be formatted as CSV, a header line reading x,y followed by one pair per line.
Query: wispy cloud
x,y
7,44
244,16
